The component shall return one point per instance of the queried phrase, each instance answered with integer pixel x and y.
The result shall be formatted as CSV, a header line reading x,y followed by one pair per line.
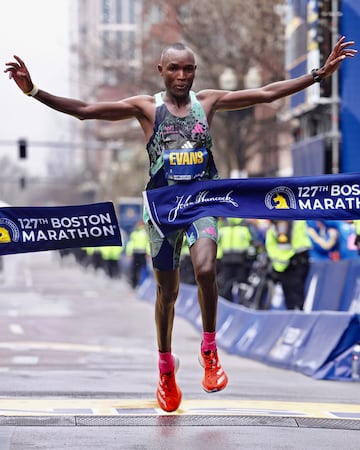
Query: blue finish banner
x,y
324,197
34,229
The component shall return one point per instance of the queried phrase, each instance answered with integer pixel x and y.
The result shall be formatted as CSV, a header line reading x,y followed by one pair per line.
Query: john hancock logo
x,y
280,197
9,232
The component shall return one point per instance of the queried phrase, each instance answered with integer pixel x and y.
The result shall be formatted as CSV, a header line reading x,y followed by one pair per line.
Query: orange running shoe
x,y
215,379
168,393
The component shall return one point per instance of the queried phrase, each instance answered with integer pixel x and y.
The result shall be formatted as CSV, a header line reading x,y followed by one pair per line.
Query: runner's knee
x,y
166,295
205,274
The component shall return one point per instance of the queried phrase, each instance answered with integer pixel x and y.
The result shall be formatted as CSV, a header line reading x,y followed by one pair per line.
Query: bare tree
x,y
236,34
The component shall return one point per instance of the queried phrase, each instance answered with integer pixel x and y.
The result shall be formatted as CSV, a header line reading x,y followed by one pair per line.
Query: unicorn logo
x,y
280,197
9,232
280,202
4,235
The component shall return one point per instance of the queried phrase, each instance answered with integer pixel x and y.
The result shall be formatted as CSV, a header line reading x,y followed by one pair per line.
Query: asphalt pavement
x,y
78,370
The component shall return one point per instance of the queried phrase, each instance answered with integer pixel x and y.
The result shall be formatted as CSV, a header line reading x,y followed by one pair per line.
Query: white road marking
x,y
16,328
26,360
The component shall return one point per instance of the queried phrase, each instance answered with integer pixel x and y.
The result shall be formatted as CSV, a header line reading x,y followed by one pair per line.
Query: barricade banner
x,y
326,282
337,369
350,296
234,326
325,197
316,344
338,363
34,229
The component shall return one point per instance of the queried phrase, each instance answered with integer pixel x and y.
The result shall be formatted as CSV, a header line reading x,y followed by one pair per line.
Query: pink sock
x,y
208,342
166,362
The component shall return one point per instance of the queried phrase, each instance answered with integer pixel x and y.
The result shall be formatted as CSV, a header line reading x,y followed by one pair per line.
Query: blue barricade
x,y
325,284
316,343
332,286
350,298
229,328
186,302
261,335
293,341
338,364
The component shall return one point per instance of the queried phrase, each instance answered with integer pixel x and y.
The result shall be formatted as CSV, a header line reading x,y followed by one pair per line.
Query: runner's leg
x,y
203,255
167,288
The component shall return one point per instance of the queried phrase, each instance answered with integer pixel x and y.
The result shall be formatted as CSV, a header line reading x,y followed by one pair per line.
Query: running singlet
x,y
180,148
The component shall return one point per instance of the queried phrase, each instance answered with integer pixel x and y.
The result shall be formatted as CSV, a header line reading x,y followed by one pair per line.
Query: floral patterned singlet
x,y
180,148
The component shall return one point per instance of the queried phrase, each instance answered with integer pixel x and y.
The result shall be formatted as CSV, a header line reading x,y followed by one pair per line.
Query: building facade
x,y
327,115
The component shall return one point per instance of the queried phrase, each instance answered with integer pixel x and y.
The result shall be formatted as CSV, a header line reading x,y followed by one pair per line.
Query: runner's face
x,y
178,70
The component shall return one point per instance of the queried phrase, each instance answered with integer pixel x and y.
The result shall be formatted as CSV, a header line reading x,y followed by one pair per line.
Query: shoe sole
x,y
211,391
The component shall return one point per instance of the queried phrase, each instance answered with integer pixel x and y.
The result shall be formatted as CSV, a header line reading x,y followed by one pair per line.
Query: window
x,y
106,44
119,11
156,14
132,11
119,45
106,11
132,44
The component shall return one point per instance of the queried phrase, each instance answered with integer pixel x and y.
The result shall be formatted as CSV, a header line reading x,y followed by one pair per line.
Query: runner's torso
x,y
180,148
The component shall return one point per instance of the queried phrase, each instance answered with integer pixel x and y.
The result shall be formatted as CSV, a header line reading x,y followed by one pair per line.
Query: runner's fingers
x,y
12,66
20,61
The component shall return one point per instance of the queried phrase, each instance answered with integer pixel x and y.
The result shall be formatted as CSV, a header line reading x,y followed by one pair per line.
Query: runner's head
x,y
177,67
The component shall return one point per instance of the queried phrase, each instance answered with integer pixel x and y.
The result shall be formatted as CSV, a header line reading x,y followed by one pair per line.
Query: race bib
x,y
185,164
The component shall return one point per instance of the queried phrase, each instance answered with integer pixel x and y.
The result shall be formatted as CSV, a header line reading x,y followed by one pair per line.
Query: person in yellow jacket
x,y
138,248
287,245
93,257
237,251
111,260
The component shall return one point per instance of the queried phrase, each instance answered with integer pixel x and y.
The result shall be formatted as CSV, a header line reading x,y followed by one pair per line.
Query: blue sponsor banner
x,y
349,90
34,229
325,197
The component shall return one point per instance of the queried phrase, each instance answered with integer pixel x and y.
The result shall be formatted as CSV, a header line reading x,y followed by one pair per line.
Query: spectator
x,y
111,257
287,245
137,248
324,237
347,238
237,248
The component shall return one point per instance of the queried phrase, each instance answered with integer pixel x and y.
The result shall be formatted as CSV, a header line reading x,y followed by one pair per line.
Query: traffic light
x,y
22,145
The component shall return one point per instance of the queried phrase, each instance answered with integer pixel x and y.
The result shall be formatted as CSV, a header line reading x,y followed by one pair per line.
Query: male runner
x,y
176,125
